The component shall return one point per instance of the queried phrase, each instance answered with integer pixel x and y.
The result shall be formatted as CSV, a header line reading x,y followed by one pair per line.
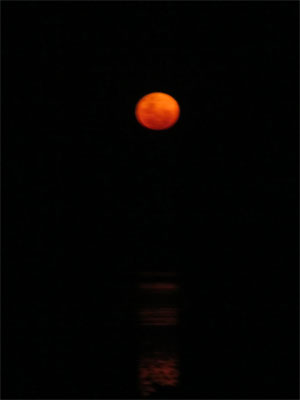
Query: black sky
x,y
91,197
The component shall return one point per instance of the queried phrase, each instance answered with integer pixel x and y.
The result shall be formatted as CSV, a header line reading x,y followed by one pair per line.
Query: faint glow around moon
x,y
157,111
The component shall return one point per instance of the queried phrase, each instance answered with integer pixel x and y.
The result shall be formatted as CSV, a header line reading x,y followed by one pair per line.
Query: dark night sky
x,y
91,197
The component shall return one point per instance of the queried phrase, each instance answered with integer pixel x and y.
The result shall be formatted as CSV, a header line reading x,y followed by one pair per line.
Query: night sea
x,y
143,263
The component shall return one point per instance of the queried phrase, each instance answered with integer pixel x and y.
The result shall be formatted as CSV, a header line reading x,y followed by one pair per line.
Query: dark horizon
x,y
140,263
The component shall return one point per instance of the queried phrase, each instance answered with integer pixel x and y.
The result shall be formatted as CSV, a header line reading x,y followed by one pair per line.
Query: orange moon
x,y
157,111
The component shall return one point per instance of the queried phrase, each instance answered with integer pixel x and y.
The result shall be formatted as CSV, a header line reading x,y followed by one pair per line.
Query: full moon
x,y
157,111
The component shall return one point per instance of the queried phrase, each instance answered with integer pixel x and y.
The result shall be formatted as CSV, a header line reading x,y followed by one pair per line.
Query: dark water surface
x,y
149,335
